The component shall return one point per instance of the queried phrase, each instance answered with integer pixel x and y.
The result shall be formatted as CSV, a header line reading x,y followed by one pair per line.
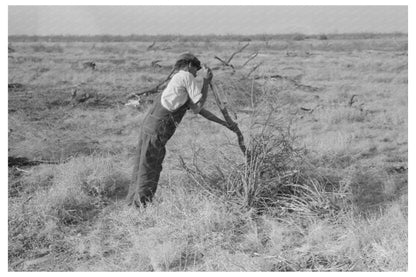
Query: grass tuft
x,y
83,185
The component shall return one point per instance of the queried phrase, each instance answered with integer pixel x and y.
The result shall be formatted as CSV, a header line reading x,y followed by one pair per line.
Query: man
x,y
182,93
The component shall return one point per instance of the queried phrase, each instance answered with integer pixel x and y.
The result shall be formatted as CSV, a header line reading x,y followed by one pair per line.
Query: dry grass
x,y
325,188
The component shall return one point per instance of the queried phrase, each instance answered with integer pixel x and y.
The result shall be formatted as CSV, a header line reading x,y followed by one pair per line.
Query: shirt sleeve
x,y
193,88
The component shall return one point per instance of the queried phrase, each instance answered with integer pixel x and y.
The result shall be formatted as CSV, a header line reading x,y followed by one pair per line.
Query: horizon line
x,y
212,34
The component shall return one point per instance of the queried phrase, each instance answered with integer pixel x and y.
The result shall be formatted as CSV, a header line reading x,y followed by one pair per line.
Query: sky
x,y
194,20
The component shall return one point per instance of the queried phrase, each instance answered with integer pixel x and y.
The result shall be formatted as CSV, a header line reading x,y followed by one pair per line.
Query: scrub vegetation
x,y
325,188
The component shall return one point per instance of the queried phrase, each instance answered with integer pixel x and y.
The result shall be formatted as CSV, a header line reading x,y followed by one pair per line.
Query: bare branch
x,y
236,52
254,69
250,58
306,87
155,63
227,63
197,179
221,60
151,46
224,62
306,109
351,102
228,119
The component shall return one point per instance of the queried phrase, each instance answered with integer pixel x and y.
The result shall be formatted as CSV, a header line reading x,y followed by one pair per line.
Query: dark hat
x,y
188,57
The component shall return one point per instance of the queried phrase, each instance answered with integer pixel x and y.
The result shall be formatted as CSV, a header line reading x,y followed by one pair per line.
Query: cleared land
x,y
325,191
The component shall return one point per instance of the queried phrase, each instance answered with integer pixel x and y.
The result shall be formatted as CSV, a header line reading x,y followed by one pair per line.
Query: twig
x,y
192,174
351,102
250,58
254,69
28,199
224,62
156,63
227,63
305,87
306,109
151,46
236,52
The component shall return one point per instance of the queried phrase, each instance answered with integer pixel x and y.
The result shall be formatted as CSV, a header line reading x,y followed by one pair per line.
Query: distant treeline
x,y
207,38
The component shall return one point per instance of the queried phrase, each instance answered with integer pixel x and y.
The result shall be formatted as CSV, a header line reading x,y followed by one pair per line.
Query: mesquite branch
x,y
250,58
224,62
254,69
228,119
236,52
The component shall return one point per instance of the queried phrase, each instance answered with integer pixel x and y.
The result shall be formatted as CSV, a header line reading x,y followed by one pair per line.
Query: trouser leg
x,y
133,184
146,173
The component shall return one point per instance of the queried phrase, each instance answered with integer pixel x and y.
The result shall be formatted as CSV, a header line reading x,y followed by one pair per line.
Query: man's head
x,y
188,62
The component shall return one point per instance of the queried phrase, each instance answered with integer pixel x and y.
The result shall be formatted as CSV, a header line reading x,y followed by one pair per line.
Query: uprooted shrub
x,y
275,177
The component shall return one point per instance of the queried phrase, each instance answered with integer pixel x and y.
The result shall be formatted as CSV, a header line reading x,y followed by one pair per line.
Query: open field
x,y
326,190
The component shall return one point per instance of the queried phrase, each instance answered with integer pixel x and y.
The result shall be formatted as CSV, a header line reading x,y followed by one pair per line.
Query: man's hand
x,y
207,74
232,126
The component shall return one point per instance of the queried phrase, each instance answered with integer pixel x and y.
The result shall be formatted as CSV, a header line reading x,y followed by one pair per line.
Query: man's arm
x,y
196,107
211,117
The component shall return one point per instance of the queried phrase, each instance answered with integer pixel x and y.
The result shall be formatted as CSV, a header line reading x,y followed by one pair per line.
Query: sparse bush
x,y
275,176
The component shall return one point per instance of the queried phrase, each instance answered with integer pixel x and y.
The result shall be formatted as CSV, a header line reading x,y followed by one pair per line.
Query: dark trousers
x,y
147,168
158,127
